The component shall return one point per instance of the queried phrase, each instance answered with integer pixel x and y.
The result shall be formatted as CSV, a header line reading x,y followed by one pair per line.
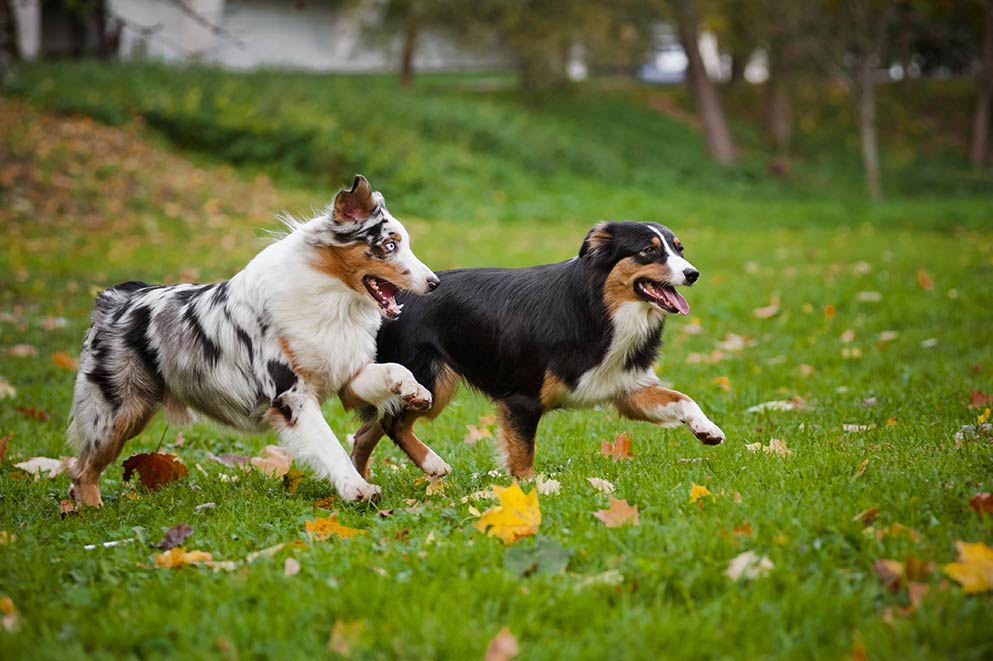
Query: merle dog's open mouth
x,y
384,292
661,295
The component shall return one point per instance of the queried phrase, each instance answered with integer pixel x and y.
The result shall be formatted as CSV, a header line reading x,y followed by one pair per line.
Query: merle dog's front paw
x,y
361,492
708,433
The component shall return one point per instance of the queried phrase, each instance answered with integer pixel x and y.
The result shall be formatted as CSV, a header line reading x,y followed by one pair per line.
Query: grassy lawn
x,y
882,331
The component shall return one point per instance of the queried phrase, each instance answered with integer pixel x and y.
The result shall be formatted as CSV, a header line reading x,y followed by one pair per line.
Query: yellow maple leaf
x,y
516,516
323,527
974,569
179,557
983,417
697,492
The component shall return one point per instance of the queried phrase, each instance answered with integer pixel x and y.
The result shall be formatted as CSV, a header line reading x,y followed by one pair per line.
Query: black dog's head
x,y
644,262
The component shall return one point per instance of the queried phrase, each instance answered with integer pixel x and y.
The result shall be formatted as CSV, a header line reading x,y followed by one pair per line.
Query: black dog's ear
x,y
355,204
597,242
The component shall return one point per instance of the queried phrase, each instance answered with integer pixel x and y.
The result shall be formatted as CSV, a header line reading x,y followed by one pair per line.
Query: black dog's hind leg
x,y
518,417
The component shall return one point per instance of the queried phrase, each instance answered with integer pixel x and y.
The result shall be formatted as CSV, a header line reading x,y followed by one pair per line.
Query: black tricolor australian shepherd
x,y
571,335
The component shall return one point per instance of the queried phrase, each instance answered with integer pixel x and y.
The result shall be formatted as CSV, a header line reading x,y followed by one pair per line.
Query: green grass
x,y
84,206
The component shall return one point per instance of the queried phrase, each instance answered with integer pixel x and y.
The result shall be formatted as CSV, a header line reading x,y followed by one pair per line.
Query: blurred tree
x,y
715,128
979,148
410,18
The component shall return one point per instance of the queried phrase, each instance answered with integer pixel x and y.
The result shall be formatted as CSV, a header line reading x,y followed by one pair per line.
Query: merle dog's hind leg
x,y
518,417
100,431
669,408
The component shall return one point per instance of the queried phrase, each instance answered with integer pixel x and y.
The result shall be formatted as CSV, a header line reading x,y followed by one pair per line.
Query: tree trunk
x,y
8,32
866,98
711,115
980,147
779,110
738,63
407,54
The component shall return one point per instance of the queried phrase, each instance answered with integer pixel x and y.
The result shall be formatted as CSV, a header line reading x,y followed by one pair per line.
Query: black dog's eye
x,y
679,246
651,250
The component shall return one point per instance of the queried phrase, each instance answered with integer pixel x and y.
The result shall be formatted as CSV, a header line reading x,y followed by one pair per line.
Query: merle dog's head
x,y
644,263
360,243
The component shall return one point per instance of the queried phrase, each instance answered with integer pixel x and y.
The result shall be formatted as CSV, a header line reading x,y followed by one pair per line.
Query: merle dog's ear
x,y
355,204
598,241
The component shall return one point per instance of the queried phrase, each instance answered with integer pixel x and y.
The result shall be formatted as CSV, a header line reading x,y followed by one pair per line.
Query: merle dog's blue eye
x,y
389,246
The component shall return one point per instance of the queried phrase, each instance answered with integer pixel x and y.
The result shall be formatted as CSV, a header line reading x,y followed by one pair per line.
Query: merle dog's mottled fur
x,y
259,351
574,334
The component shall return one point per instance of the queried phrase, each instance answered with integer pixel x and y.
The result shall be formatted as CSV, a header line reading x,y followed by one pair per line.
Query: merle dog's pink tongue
x,y
677,301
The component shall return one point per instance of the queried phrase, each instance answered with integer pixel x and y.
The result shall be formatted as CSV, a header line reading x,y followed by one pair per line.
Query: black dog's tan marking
x,y
575,334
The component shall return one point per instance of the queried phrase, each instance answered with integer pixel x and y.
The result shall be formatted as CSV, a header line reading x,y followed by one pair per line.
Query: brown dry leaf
x,y
68,506
344,635
861,469
982,503
502,647
829,311
291,567
175,536
11,618
518,514
744,530
325,503
180,557
621,513
866,516
3,445
32,412
748,565
321,529
64,361
601,485
768,311
619,450
155,469
974,569
273,461
21,351
924,280
477,433
890,573
978,400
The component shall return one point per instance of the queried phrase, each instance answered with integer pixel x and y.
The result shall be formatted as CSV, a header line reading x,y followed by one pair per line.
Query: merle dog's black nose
x,y
691,275
433,283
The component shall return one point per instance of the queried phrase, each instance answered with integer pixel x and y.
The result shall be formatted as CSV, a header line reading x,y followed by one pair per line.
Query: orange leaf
x,y
3,445
982,503
502,647
32,412
924,280
155,470
274,461
866,516
179,557
829,311
621,513
65,361
697,492
619,450
476,434
323,528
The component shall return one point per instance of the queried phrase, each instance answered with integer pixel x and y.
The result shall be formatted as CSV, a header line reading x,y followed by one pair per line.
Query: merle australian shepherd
x,y
260,351
571,335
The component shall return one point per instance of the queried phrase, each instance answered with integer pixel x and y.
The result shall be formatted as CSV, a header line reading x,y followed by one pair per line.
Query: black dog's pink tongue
x,y
676,300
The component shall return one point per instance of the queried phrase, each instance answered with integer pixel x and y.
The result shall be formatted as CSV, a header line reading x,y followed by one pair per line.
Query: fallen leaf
x,y
924,280
180,557
601,485
64,361
547,486
983,417
204,506
502,647
21,351
292,480
323,528
273,461
479,495
621,513
776,446
974,569
848,336
33,412
744,530
978,400
155,469
11,618
982,503
476,434
768,311
325,503
861,469
69,506
175,536
291,567
748,565
344,635
435,485
829,311
38,465
619,450
229,460
806,370
545,557
853,428
6,390
180,440
518,515
267,552
889,573
697,492
795,404
7,537
385,514
723,382
866,516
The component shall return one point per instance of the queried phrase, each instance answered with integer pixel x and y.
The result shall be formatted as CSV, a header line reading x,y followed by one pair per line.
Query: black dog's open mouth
x,y
661,295
384,292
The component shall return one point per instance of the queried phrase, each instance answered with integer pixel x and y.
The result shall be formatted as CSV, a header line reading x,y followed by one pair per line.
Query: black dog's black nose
x,y
433,283
691,275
